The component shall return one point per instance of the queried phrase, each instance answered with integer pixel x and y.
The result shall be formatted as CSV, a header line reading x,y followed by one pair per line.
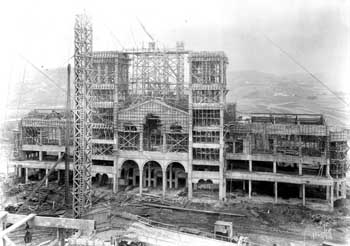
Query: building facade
x,y
160,119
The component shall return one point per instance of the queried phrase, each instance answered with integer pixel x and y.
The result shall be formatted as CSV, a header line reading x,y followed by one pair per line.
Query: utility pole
x,y
67,138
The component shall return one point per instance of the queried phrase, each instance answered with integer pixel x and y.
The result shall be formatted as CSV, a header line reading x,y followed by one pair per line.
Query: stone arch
x,y
176,175
129,173
152,173
104,180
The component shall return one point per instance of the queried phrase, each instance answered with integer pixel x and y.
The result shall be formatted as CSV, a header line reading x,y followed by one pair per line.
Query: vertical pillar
x,y
331,196
303,194
249,189
327,169
164,142
250,165
47,179
274,167
189,184
149,175
327,193
115,176
344,189
141,182
300,168
176,181
276,192
40,155
26,176
243,185
141,139
164,183
59,155
170,176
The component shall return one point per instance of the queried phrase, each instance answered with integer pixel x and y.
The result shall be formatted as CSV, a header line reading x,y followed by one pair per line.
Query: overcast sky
x,y
317,33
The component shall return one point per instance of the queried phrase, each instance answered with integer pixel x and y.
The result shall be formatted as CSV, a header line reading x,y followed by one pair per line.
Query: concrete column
x,y
249,189
274,167
164,142
327,193
19,171
250,166
303,194
189,181
327,169
243,185
170,176
164,183
276,192
40,155
115,177
47,180
141,182
141,139
26,176
176,181
331,196
300,168
59,155
149,175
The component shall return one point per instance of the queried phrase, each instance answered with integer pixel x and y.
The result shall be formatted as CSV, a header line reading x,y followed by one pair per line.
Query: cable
x,y
305,69
40,71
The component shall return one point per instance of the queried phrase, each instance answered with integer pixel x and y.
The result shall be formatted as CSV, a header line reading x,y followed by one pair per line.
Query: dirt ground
x,y
264,223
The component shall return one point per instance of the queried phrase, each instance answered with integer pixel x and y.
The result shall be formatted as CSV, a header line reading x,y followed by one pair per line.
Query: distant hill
x,y
252,90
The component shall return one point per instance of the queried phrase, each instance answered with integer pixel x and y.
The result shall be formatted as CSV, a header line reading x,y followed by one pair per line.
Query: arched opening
x,y
176,176
96,179
129,174
104,180
152,133
152,174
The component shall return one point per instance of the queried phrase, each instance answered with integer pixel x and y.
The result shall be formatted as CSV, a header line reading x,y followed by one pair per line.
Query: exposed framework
x,y
82,115
157,73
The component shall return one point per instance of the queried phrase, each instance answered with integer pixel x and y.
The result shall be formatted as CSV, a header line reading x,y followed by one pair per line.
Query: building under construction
x,y
158,118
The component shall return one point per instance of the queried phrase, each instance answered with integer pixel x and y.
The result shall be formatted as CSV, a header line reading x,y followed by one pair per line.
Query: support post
x,y
332,196
190,188
46,180
274,167
250,165
300,168
164,142
170,176
115,176
40,155
141,139
303,194
26,176
164,183
276,192
249,189
149,175
141,182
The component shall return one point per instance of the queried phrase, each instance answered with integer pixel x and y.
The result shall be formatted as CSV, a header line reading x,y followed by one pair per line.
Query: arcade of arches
x,y
153,175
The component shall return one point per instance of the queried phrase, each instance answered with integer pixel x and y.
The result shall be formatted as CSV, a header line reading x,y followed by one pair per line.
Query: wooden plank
x,y
17,224
65,223
192,210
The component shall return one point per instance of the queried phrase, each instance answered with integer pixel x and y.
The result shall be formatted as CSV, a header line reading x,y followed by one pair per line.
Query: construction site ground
x,y
265,223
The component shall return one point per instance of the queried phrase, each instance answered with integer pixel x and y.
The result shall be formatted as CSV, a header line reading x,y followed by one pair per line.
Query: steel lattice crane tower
x,y
82,115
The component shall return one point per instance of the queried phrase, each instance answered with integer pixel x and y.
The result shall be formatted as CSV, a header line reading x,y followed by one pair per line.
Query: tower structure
x,y
82,115
206,109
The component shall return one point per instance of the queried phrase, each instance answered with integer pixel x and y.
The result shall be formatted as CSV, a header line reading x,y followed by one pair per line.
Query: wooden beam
x,y
55,222
191,210
16,224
